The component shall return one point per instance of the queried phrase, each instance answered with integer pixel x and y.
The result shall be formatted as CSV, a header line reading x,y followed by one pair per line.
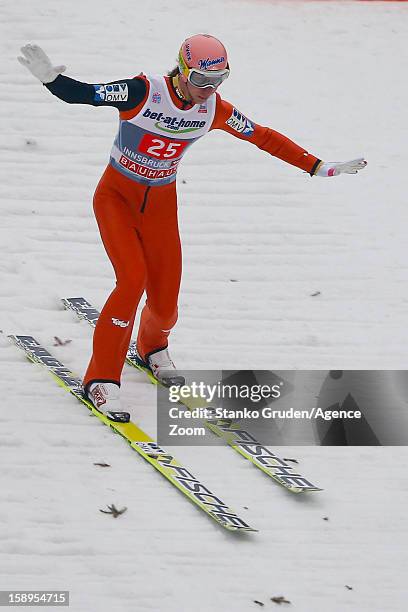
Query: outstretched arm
x,y
229,119
124,95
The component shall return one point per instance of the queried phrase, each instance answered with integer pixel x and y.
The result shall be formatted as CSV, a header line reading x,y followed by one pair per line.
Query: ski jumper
x,y
135,203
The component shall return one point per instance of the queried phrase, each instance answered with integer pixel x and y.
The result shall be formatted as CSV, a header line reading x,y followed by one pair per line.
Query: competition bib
x,y
149,147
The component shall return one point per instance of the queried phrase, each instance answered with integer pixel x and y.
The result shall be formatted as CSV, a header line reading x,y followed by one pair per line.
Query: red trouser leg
x,y
139,230
122,243
162,250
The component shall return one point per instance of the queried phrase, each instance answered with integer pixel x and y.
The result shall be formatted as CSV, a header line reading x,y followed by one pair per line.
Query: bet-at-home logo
x,y
115,92
173,124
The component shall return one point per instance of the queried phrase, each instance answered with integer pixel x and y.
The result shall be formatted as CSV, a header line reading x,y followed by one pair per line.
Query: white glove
x,y
335,168
38,63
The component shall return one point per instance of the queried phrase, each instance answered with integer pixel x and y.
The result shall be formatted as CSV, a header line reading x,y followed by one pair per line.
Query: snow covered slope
x,y
259,238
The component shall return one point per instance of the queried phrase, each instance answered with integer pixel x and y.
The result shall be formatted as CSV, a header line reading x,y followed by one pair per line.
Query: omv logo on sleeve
x,y
114,92
240,123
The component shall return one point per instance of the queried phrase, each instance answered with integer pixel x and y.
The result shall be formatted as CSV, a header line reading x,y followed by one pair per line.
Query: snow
x,y
326,74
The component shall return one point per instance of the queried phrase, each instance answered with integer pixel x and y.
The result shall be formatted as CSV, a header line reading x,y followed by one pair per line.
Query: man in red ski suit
x,y
135,202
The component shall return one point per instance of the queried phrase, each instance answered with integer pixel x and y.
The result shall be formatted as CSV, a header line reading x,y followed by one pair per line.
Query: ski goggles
x,y
203,78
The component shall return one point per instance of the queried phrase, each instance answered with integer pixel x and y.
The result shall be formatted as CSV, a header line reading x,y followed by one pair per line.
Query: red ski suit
x,y
139,229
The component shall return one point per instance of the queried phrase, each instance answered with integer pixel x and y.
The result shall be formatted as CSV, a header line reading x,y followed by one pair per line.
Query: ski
x,y
141,442
240,440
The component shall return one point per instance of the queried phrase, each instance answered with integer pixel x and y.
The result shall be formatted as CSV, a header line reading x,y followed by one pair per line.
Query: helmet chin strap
x,y
179,86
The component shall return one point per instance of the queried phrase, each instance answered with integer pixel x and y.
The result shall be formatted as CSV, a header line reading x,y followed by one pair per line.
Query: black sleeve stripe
x,y
315,166
76,92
